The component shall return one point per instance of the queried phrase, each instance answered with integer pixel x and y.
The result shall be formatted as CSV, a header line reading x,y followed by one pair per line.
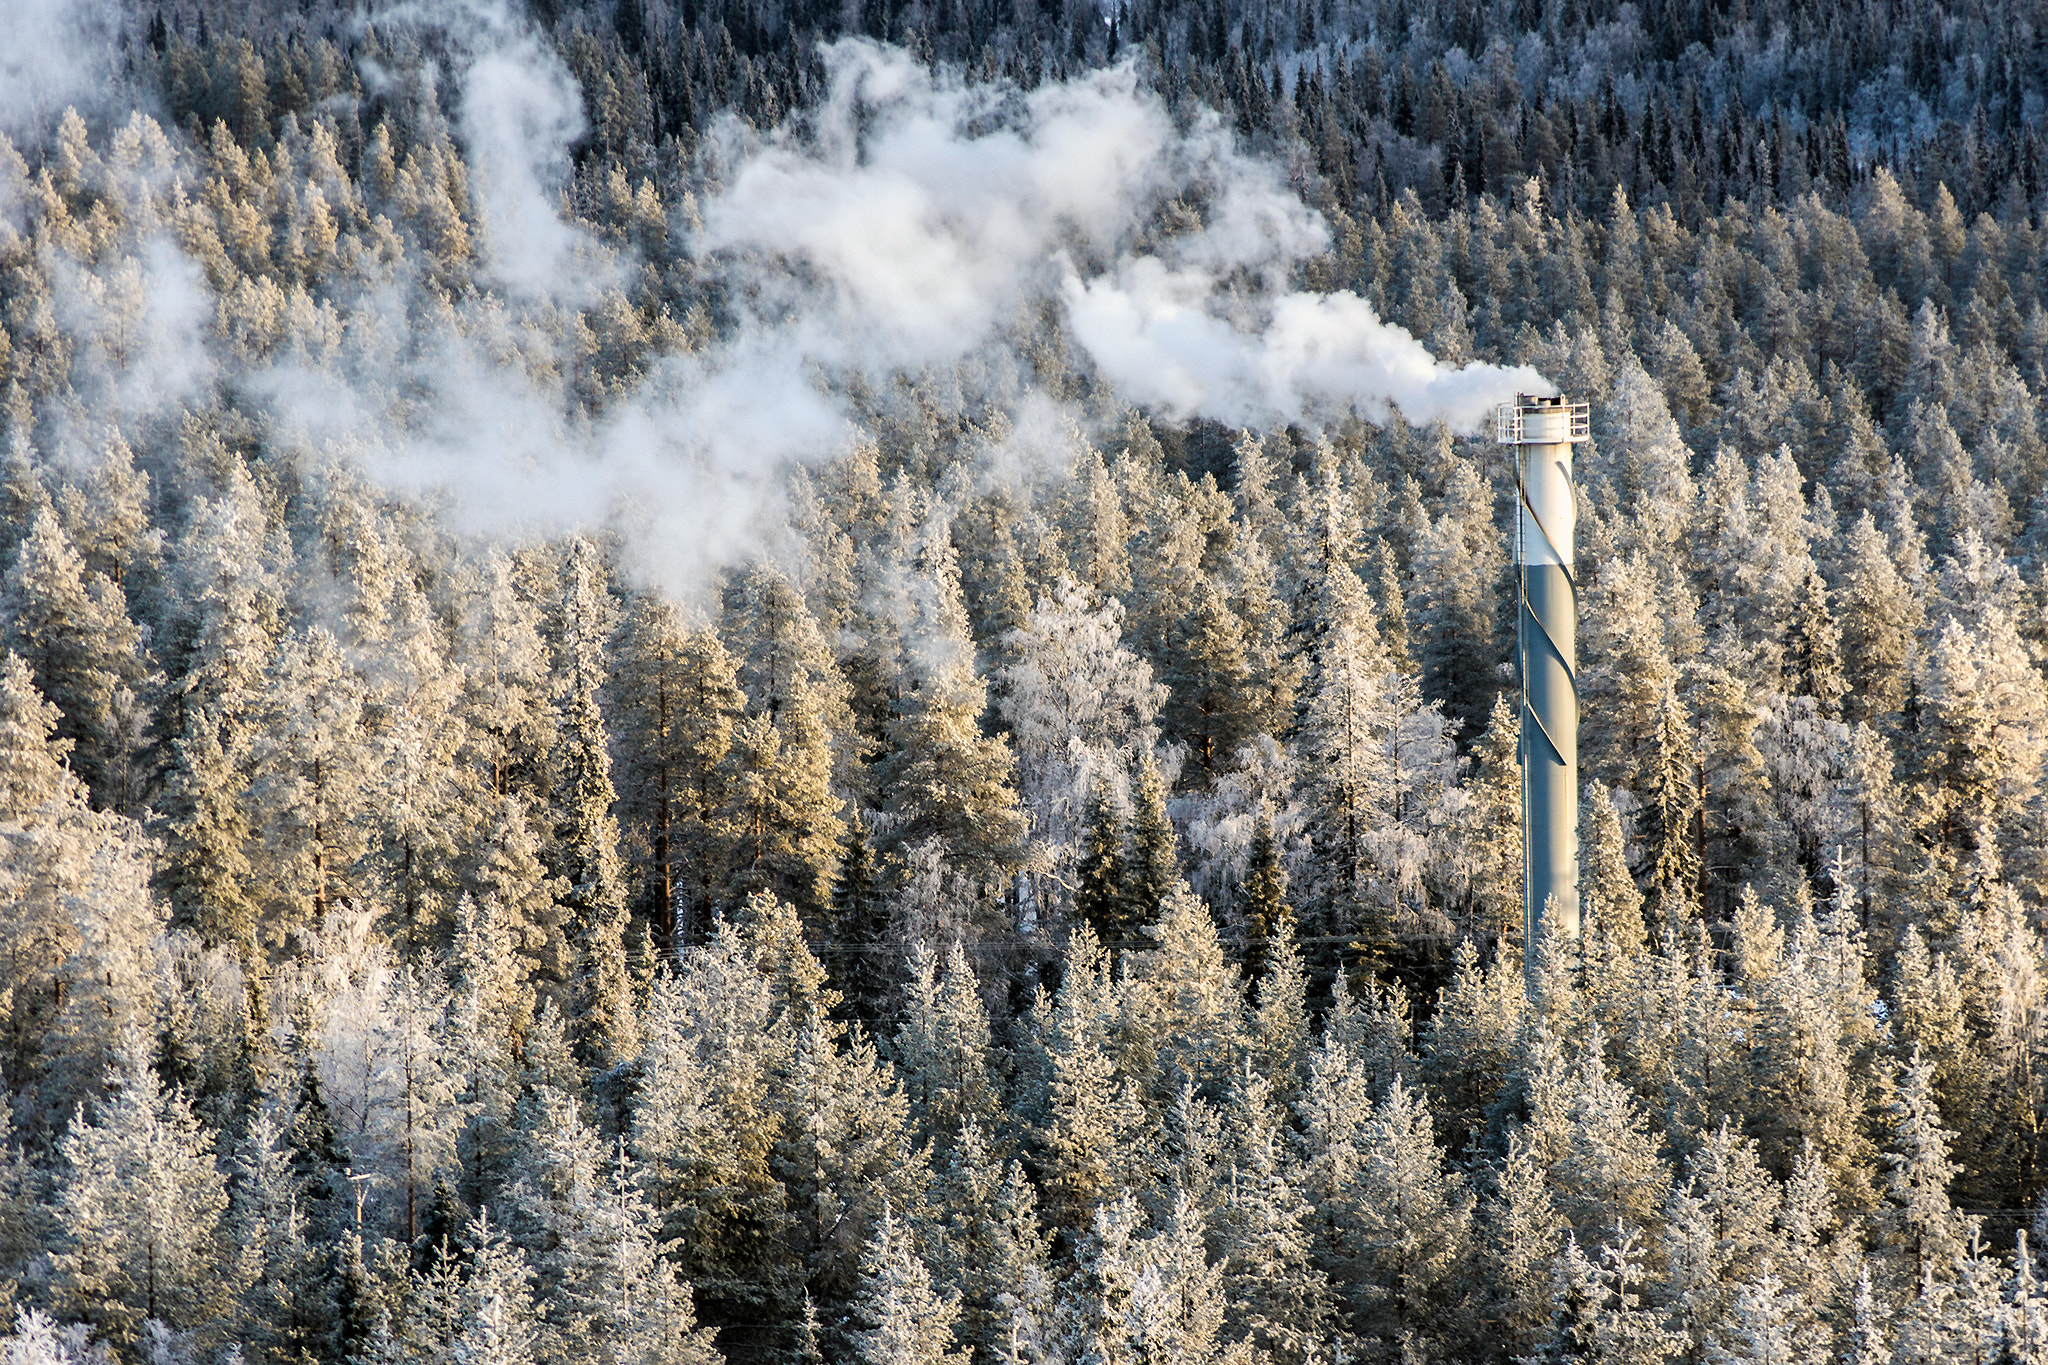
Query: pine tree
x,y
1409,1221
1211,705
319,1162
1262,908
1178,1305
225,571
41,807
21,1204
1278,1298
796,752
1717,1233
1866,1335
1983,729
1089,1111
105,982
1878,619
1924,1230
498,639
1471,1041
1093,1313
901,1320
1496,830
609,1293
586,837
284,1309
71,626
425,799
1350,775
1185,998
416,1117
1614,907
1524,1236
1586,1129
943,778
1099,899
139,1209
1637,624
943,1050
1813,659
1078,703
210,874
33,773
1670,817
311,781
1153,868
682,697
704,1124
1458,565
498,1325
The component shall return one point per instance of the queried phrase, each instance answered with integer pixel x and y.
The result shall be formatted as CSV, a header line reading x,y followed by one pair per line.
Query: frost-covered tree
x,y
1458,562
705,1126
944,778
943,1049
284,1308
1153,867
139,1208
1350,770
311,782
682,698
901,1320
783,810
1924,1230
585,848
497,1320
71,625
1090,1111
1080,706
416,1114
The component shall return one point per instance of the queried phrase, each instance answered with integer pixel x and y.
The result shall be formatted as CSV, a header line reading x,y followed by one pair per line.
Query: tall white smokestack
x,y
1543,432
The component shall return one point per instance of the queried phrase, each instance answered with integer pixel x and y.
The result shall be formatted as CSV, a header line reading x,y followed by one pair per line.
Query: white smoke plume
x,y
912,226
53,54
925,214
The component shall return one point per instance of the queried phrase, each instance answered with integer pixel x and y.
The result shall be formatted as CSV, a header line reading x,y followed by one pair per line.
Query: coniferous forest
x,y
693,680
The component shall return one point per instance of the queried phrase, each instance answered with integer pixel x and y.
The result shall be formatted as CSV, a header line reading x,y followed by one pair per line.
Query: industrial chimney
x,y
1542,432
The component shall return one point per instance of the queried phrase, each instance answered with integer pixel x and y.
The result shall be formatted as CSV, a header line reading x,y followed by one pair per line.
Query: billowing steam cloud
x,y
53,53
912,225
922,239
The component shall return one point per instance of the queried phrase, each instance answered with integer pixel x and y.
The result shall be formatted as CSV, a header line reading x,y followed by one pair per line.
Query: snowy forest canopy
x,y
601,762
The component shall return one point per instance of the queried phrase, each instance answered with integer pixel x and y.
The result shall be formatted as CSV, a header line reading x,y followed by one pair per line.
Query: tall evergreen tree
x,y
1099,900
71,625
1924,1230
585,847
1153,868
1262,907
681,696
139,1209
1878,618
1670,817
1350,776
860,932
944,779
902,1321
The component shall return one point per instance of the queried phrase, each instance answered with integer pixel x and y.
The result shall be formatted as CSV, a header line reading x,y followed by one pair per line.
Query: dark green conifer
x,y
1098,898
1262,901
860,931
1154,865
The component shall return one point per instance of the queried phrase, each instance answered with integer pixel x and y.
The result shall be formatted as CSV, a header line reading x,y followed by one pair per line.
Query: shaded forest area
x,y
1062,914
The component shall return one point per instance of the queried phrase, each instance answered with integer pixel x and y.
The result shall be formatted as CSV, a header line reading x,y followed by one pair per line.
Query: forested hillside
x,y
724,680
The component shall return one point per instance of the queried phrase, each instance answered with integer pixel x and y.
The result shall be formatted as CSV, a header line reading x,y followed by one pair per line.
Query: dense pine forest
x,y
692,680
